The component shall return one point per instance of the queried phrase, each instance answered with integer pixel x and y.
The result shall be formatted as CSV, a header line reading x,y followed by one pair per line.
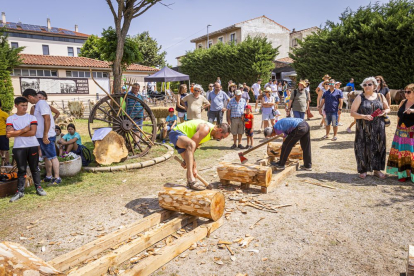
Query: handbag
x,y
309,113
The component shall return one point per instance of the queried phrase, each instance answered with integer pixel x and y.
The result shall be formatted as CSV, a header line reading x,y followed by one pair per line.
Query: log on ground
x,y
274,149
15,259
207,204
110,149
245,173
410,261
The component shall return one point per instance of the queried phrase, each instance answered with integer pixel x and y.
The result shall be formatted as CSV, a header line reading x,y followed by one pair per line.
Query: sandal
x,y
325,137
380,175
362,175
194,185
334,138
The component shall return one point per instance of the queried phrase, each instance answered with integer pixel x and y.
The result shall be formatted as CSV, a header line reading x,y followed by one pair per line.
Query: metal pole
x,y
208,44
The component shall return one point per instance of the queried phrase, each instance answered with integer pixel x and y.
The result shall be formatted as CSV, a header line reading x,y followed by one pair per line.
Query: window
x,y
220,39
68,74
44,37
45,50
233,37
14,45
104,75
294,42
210,43
200,46
17,72
47,73
78,51
70,51
53,73
87,74
81,74
75,74
33,73
25,72
39,73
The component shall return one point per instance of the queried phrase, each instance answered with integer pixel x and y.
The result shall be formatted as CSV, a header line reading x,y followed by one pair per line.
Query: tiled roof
x,y
76,62
11,26
285,60
299,31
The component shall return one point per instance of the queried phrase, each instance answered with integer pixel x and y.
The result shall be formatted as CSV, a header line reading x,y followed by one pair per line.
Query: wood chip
x,y
228,248
71,240
264,259
256,223
31,226
43,248
224,242
245,243
219,262
321,185
23,238
217,258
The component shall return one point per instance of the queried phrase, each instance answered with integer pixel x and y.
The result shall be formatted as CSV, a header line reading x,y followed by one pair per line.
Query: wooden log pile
x,y
274,149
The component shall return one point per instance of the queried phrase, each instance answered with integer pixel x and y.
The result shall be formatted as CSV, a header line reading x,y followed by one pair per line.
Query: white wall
x,y
263,27
34,46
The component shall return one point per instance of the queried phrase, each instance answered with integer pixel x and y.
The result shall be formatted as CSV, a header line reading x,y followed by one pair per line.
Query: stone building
x,y
299,35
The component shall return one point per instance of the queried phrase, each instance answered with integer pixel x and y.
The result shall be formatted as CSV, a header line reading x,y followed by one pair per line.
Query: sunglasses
x,y
331,84
196,90
378,80
369,84
408,92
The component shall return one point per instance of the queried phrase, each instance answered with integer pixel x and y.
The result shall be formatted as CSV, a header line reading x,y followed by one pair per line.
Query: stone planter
x,y
71,167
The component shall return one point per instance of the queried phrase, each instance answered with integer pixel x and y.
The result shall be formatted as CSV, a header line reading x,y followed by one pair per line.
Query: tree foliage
x,y
244,62
374,40
151,52
104,48
9,58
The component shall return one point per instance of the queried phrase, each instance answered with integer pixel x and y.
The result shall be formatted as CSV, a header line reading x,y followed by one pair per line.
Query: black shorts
x,y
247,132
4,142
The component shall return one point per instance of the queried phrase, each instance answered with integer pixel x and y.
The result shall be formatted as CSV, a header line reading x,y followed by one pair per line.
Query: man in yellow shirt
x,y
4,141
188,136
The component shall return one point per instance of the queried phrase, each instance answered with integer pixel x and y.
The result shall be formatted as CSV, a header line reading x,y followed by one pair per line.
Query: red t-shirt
x,y
248,119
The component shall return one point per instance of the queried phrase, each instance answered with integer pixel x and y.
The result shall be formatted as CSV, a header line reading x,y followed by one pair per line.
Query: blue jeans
x,y
331,118
49,150
298,114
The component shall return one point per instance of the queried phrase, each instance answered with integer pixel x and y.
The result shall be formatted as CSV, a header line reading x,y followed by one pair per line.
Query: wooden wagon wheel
x,y
105,114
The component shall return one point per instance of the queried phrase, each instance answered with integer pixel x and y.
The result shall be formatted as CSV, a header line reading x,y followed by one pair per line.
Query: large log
x,y
110,149
245,173
207,204
17,260
274,149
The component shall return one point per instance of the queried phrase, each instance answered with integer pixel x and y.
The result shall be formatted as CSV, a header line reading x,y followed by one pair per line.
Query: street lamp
x,y
208,44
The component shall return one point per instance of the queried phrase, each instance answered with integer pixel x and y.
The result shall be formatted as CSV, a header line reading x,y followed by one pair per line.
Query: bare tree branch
x,y
111,7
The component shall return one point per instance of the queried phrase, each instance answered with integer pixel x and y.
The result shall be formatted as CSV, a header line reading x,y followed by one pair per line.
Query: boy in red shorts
x,y
248,125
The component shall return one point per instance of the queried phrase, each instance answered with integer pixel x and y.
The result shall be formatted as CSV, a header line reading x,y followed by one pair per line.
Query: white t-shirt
x,y
256,88
273,87
320,85
18,123
43,108
267,85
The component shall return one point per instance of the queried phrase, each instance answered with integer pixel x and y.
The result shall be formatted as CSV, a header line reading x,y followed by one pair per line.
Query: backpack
x,y
86,155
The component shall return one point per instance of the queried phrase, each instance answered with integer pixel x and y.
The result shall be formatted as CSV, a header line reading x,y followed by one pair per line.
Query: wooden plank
x,y
169,252
127,251
280,176
410,261
89,250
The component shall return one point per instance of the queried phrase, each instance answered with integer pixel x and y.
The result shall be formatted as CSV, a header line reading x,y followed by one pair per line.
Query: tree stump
x,y
17,260
274,149
245,173
110,149
207,204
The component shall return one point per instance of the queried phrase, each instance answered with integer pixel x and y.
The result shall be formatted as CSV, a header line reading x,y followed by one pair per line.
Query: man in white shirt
x,y
256,91
23,126
46,136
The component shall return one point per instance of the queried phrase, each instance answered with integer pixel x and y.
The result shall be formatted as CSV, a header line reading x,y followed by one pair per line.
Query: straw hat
x,y
303,83
326,76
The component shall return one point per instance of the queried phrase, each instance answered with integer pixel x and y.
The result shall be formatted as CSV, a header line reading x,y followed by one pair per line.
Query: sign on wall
x,y
55,85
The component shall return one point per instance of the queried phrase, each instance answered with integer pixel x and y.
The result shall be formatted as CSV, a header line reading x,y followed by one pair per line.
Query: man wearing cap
x,y
299,101
195,103
188,136
256,92
218,100
294,129
333,100
235,118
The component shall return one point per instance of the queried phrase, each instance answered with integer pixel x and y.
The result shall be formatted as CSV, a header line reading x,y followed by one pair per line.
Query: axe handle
x,y
262,144
202,180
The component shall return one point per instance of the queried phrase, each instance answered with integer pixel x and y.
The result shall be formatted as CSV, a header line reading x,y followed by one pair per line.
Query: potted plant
x,y
70,164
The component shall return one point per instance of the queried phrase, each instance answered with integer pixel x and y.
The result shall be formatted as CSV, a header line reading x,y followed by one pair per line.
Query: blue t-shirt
x,y
68,137
170,120
332,100
217,101
352,85
286,125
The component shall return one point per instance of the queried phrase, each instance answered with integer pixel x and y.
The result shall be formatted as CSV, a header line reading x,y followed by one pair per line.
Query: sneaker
x,y
17,196
250,146
348,130
305,168
340,124
240,146
277,165
196,186
233,147
257,110
163,141
54,182
48,179
40,191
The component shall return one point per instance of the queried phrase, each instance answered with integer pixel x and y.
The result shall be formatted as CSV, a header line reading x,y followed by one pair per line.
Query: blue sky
x,y
174,27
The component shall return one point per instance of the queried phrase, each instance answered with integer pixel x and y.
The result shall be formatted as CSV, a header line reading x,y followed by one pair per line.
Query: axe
x,y
243,159
202,180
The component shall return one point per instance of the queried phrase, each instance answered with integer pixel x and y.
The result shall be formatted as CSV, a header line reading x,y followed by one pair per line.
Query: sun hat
x,y
326,76
338,82
303,83
268,89
170,109
237,93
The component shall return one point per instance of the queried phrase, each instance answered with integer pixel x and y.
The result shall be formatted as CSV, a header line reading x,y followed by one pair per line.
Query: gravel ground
x,y
360,228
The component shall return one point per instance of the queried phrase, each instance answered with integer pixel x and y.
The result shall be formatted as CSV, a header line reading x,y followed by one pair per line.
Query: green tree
x,y
9,58
151,52
373,40
104,48
244,62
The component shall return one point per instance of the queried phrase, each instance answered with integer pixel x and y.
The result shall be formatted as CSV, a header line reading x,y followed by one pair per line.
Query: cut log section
x,y
245,173
274,149
17,260
410,261
207,204
93,248
169,252
110,149
280,175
